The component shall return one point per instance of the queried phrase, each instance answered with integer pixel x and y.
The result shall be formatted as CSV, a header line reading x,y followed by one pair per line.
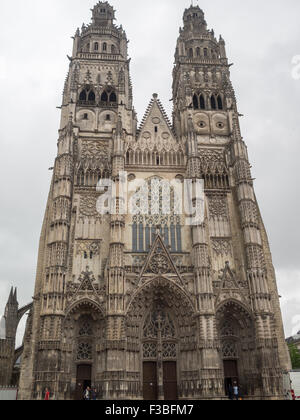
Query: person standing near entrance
x,y
94,394
47,394
87,394
236,391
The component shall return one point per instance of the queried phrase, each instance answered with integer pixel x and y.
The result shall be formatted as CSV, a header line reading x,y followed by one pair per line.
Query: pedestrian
x,y
236,391
94,394
47,394
87,394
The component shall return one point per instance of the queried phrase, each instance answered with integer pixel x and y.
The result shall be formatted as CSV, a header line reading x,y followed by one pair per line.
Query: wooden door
x,y
150,381
231,374
170,381
84,380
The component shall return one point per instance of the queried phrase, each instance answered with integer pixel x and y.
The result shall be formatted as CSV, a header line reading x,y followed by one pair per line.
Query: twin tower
x,y
143,305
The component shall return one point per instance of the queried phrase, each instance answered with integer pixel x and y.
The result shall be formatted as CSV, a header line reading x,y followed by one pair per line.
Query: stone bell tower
x,y
9,325
81,252
232,260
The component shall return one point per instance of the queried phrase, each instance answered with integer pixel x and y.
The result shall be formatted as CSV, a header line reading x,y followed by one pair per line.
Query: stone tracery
x,y
146,302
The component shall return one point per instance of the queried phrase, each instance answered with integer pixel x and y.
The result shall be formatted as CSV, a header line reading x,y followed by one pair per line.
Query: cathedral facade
x,y
142,304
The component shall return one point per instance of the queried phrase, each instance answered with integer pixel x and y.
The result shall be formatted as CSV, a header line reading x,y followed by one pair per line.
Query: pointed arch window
x,y
87,96
157,213
82,96
178,234
141,237
205,52
202,102
191,53
134,237
220,102
213,102
113,97
96,46
92,96
173,238
104,97
198,52
166,236
104,47
195,101
148,237
108,97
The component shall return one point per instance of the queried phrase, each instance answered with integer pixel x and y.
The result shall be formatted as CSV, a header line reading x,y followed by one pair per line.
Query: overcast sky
x,y
262,37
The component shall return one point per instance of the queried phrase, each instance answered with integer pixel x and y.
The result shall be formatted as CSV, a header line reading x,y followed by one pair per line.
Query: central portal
x,y
150,385
159,357
84,380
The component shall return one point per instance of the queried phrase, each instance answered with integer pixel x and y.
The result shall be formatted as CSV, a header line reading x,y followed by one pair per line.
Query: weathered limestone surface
x,y
146,306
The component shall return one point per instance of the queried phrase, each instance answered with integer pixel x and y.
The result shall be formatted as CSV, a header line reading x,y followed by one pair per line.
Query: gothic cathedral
x,y
143,305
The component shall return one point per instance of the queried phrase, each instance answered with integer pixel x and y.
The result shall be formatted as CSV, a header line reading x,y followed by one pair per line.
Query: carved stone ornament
x,y
218,207
87,246
222,246
88,206
159,264
92,149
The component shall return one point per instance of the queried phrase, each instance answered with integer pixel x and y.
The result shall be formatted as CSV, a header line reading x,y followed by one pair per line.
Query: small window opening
x,y
107,118
82,96
202,102
85,255
195,102
105,46
156,129
213,102
92,97
104,97
113,97
220,102
85,116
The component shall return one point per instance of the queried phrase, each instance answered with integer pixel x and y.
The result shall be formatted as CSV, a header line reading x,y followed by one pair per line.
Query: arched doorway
x,y
161,342
82,335
159,356
84,354
237,334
